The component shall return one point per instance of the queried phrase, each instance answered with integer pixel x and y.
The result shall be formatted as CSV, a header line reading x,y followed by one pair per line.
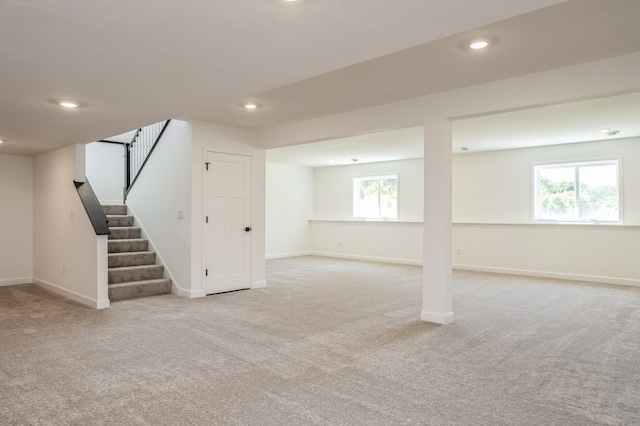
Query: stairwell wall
x,y
16,219
105,171
67,251
161,202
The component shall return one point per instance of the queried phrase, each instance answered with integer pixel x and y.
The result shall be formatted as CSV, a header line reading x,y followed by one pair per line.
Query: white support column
x,y
436,275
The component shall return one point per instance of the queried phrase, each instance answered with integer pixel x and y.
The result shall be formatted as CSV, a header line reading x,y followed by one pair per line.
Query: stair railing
x,y
137,152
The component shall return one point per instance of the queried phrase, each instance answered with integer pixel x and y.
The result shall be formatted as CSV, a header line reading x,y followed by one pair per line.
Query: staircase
x,y
132,269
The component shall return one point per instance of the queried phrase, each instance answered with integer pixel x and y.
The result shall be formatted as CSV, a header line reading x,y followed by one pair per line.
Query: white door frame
x,y
206,152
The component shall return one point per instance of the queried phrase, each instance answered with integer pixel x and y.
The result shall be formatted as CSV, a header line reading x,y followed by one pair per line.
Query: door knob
x,y
247,229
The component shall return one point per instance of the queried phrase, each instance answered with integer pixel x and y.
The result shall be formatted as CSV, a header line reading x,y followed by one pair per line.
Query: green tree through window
x,y
375,197
578,192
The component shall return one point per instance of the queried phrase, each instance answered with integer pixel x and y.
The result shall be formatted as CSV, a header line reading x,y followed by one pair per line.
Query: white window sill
x,y
551,223
365,220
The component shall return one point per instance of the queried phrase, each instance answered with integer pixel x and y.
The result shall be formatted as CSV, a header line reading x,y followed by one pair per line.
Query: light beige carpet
x,y
329,342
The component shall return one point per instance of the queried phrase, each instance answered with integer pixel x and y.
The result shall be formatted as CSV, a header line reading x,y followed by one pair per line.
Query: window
x,y
375,197
578,192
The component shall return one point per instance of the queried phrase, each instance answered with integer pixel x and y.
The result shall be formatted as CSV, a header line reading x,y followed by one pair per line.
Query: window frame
x,y
577,164
379,177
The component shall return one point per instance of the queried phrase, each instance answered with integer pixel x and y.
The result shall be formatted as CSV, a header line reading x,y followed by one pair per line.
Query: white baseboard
x,y
437,318
368,258
16,281
189,294
198,293
285,255
259,284
103,304
548,274
87,301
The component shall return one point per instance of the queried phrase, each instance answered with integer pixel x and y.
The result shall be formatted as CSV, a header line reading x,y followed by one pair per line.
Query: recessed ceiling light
x,y
330,160
1,141
479,44
68,104
250,105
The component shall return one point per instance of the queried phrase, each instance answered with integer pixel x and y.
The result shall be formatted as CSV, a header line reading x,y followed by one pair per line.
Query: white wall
x,y
230,140
161,190
334,231
397,242
16,219
496,186
289,206
105,171
492,202
492,216
334,188
68,257
576,252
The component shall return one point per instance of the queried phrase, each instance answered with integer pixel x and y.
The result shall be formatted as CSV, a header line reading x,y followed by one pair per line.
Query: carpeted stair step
x,y
117,260
112,210
132,269
136,289
121,246
119,220
135,273
124,233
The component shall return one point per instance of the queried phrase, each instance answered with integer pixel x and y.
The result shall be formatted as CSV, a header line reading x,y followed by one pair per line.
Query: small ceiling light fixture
x,y
479,44
609,131
1,141
68,104
250,105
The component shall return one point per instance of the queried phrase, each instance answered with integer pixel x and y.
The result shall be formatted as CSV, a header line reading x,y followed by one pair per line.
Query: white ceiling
x,y
398,144
134,63
550,125
566,34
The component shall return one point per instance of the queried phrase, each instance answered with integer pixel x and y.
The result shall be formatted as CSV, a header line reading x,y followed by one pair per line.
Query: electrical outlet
x,y
339,243
71,215
64,269
180,214
458,252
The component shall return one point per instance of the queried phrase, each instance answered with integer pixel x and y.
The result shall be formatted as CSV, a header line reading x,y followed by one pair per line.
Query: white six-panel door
x,y
228,227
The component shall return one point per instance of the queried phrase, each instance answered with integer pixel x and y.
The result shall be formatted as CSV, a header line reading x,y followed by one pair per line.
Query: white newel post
x,y
436,275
